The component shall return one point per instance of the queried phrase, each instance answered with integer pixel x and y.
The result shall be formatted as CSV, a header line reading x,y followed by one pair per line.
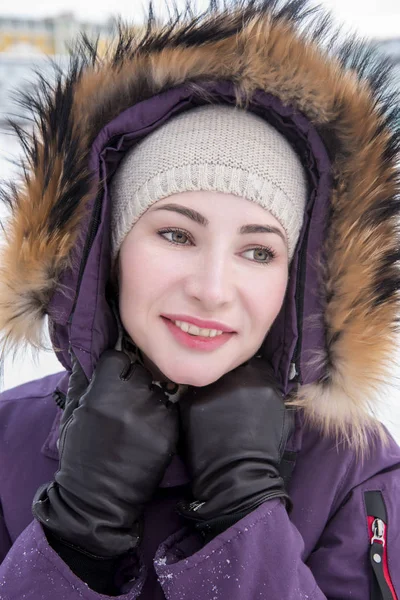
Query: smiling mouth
x,y
196,337
197,331
196,326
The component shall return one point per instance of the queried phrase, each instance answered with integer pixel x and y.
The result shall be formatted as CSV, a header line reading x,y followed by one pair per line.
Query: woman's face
x,y
202,263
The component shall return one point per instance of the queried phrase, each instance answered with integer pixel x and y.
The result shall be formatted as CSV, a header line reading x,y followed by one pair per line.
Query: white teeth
x,y
194,330
184,327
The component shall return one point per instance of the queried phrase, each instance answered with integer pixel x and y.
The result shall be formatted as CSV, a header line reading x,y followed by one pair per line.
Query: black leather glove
x,y
117,438
235,432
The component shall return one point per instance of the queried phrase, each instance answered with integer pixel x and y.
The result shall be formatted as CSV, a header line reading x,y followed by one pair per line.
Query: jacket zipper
x,y
378,554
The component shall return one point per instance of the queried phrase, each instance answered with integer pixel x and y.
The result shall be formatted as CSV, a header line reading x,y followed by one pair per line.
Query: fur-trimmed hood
x,y
333,343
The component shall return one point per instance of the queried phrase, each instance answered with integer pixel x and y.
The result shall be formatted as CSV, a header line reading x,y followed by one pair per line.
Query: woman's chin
x,y
197,374
165,371
195,379
198,381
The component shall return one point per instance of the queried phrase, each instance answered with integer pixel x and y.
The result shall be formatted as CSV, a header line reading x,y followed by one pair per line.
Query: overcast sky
x,y
369,17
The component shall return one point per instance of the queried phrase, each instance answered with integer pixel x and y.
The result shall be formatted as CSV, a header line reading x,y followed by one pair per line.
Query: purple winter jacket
x,y
330,346
321,551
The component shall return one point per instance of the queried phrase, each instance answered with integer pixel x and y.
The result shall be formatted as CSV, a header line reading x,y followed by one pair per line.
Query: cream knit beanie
x,y
213,148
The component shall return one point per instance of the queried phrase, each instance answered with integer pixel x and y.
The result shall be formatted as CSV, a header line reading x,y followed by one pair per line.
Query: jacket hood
x,y
331,346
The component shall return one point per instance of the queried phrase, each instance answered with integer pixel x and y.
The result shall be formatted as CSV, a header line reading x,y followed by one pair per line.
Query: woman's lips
x,y
197,342
202,323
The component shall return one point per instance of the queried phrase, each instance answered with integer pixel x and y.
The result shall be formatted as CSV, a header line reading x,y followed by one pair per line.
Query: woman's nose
x,y
211,283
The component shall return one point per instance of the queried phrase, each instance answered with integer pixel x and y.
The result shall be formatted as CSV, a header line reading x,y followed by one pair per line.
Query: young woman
x,y
208,217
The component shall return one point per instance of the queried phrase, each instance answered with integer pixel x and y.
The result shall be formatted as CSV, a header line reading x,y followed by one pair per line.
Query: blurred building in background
x,y
48,36
26,45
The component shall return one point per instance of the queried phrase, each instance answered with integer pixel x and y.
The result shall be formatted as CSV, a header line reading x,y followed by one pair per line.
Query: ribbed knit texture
x,y
211,148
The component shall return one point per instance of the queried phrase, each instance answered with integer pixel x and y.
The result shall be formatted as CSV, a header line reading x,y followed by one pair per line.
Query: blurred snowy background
x,y
30,33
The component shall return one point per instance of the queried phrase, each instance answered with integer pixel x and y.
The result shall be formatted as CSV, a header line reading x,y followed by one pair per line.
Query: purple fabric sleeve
x,y
262,556
5,541
258,557
31,569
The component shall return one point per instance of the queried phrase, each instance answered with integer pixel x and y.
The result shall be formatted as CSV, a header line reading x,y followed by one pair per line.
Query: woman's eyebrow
x,y
262,229
186,212
201,220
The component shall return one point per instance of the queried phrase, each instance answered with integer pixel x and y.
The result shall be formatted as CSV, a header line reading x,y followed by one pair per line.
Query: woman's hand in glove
x,y
235,432
117,438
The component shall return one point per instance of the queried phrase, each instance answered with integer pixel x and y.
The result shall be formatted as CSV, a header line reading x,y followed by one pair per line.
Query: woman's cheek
x,y
272,290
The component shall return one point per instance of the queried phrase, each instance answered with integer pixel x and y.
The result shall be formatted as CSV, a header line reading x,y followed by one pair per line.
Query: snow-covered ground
x,y
26,368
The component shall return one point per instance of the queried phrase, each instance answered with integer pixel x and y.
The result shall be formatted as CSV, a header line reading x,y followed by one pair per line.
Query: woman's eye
x,y
176,236
261,255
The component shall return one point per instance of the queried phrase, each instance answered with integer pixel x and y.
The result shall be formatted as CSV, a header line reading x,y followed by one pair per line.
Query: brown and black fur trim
x,y
288,49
